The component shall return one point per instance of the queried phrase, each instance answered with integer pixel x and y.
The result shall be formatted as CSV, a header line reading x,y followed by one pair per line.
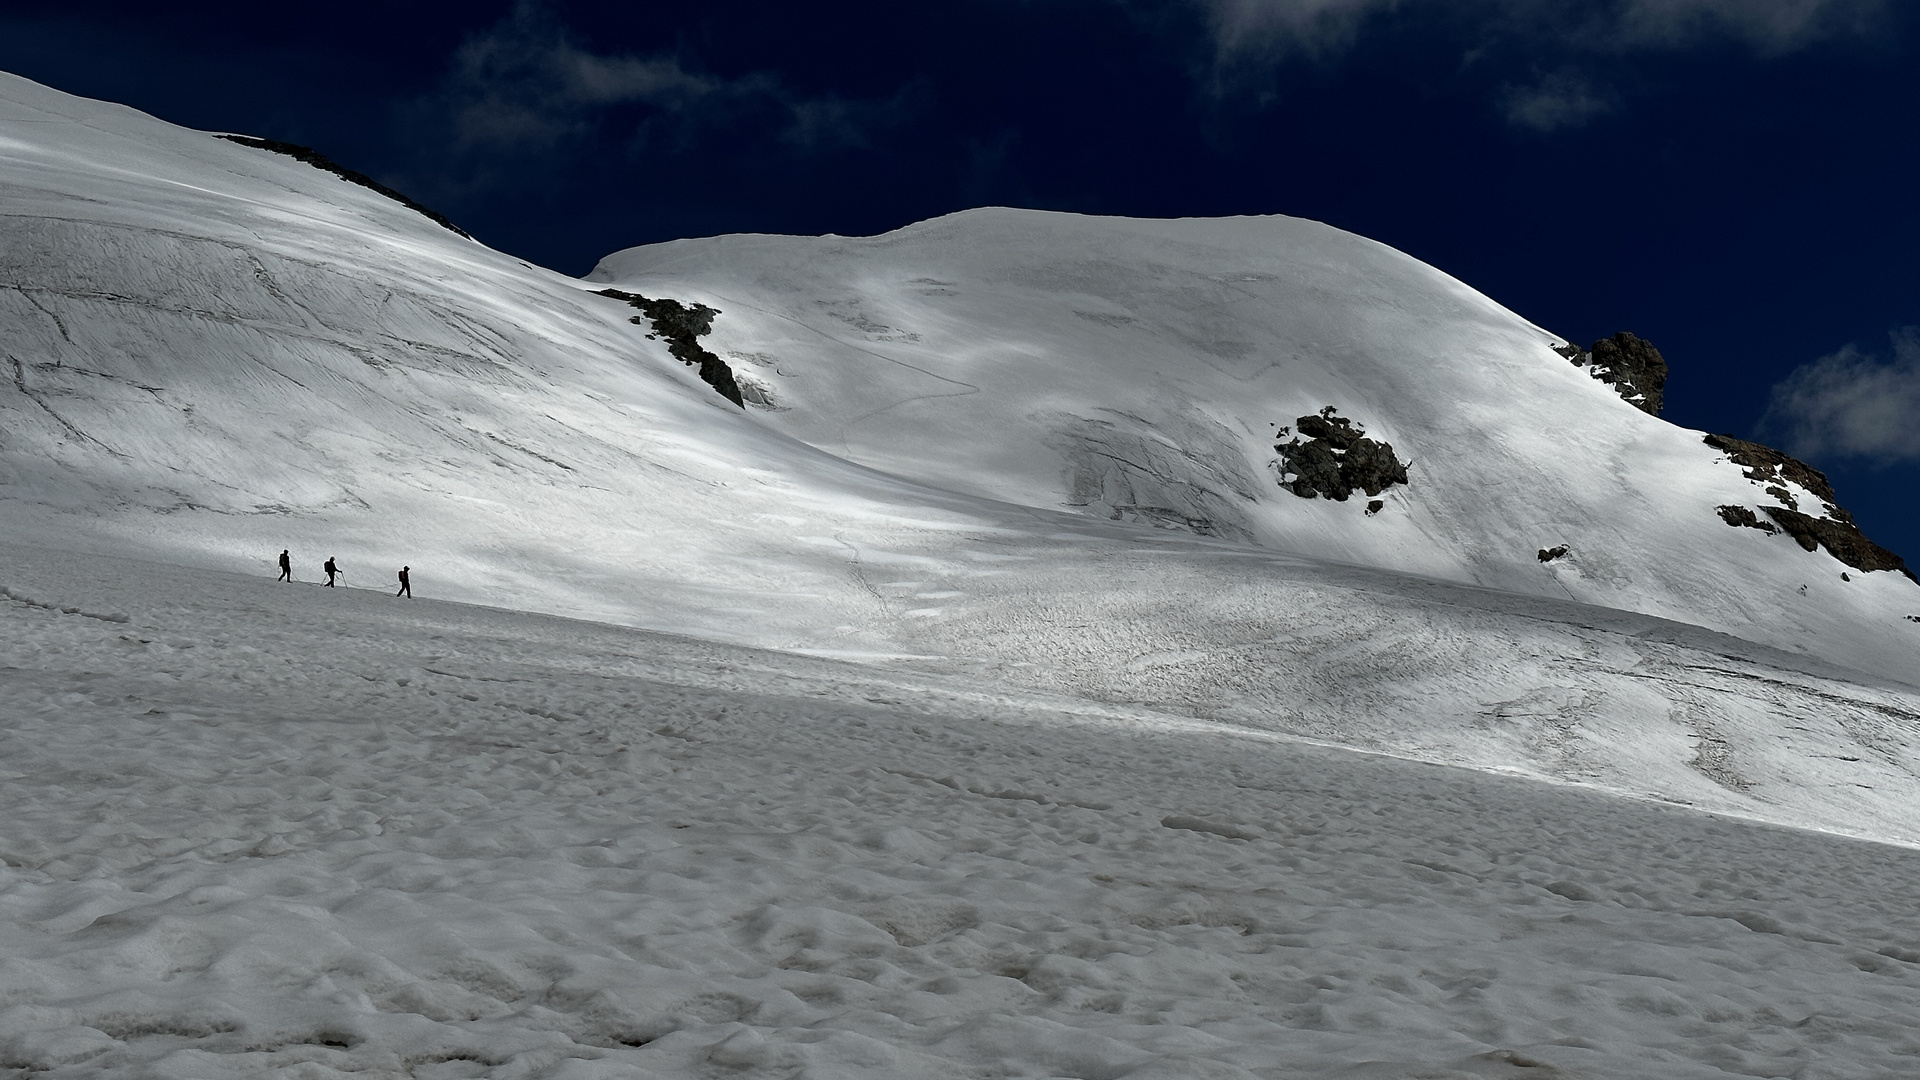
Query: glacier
x,y
974,702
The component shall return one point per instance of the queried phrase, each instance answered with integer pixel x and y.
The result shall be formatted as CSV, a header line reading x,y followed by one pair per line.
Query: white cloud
x,y
1243,27
1251,38
1853,404
525,83
529,84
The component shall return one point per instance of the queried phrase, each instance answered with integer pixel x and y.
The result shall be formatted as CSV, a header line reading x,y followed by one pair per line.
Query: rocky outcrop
x,y
1835,530
1740,516
1765,465
1335,458
319,160
682,326
1631,365
1843,540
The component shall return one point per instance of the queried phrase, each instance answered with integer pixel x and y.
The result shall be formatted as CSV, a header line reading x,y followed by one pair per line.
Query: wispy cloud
x,y
1768,26
528,84
1241,27
1771,26
1852,404
1561,100
1579,41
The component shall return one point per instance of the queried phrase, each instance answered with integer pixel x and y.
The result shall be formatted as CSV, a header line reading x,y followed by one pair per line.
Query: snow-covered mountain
x,y
1138,369
201,325
1036,447
1003,720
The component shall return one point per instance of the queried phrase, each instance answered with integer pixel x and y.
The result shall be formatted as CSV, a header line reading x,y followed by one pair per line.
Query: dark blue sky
x,y
1732,179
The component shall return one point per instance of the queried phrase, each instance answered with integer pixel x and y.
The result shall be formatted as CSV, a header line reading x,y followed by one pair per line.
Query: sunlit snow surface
x,y
250,825
1000,730
1141,370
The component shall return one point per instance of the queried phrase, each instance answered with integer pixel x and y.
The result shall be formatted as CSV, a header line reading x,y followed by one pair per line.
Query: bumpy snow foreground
x,y
253,828
982,707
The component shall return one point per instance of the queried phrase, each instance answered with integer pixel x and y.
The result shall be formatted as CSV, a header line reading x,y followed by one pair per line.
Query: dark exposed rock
x,y
682,326
1337,458
1631,365
1316,469
1552,553
1836,531
1764,464
1336,431
1372,467
319,160
1841,539
1634,367
1741,516
1375,507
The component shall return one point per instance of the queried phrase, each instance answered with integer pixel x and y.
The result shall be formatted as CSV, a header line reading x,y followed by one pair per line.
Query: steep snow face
x,y
1137,370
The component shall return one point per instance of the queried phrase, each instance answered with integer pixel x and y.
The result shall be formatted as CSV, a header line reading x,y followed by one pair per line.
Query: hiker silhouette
x,y
331,570
286,567
406,586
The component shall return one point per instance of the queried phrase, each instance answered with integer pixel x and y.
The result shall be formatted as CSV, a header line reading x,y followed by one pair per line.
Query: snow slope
x,y
1136,369
217,352
265,830
925,765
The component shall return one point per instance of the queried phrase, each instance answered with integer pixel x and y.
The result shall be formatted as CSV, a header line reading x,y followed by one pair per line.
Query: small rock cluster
x,y
1741,517
1834,530
1631,365
682,326
1764,465
1335,458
